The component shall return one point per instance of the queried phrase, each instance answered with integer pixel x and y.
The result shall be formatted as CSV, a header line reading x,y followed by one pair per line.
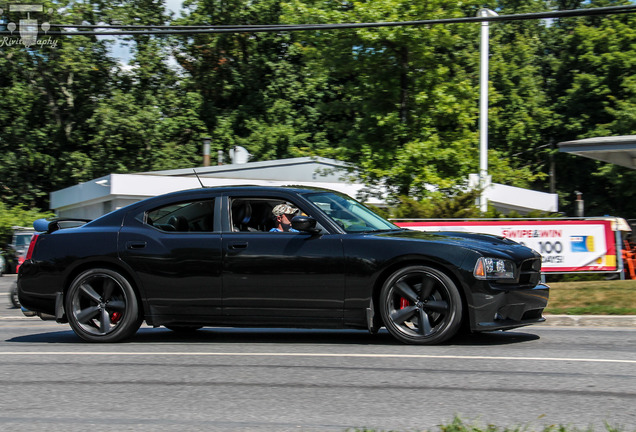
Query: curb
x,y
628,321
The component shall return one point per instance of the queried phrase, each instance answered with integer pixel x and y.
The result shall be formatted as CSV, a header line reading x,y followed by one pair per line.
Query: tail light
x,y
29,253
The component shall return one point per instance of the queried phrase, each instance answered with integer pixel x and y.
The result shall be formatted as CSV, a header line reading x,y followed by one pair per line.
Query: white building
x,y
94,198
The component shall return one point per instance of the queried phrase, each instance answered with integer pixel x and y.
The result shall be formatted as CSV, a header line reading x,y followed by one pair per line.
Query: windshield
x,y
349,214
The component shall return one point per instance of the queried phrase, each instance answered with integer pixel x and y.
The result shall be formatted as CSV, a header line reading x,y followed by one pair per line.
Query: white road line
x,y
343,355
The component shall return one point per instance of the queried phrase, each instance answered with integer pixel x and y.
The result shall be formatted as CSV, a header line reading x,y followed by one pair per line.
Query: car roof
x,y
299,189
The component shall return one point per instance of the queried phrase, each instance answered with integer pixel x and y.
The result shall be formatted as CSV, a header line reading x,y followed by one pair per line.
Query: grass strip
x,y
593,298
459,425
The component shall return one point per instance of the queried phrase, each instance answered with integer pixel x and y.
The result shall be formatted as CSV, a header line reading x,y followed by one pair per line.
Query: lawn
x,y
601,297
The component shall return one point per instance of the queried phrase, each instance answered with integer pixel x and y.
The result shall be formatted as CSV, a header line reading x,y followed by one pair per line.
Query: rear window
x,y
190,216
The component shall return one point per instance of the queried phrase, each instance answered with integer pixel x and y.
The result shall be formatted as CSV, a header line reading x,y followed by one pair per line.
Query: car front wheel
x,y
101,306
421,305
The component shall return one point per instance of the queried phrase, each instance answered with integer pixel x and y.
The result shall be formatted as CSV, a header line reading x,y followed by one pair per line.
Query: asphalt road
x,y
301,380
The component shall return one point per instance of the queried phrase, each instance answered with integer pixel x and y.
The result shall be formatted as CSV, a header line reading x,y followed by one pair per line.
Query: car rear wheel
x,y
101,306
420,305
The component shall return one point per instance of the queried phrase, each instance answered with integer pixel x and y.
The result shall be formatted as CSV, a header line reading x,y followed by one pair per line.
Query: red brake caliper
x,y
115,317
403,302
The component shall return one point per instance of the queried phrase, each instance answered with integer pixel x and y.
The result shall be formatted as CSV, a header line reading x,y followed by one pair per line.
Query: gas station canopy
x,y
619,150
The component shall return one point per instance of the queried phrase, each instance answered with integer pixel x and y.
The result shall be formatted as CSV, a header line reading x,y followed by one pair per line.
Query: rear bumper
x,y
37,293
39,296
503,310
58,315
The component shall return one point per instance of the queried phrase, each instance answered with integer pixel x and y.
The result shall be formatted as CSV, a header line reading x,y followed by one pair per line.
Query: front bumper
x,y
506,309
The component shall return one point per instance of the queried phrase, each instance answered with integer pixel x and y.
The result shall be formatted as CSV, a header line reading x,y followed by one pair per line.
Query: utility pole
x,y
483,108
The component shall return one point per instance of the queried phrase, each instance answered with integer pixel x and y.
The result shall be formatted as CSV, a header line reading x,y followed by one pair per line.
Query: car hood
x,y
484,243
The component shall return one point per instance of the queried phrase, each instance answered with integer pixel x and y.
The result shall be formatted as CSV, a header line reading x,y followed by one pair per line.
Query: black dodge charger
x,y
209,257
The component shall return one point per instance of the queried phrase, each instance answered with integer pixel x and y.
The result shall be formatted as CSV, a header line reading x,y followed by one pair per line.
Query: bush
x,y
17,216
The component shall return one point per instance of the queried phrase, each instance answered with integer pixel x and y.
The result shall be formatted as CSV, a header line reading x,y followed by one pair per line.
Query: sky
x,y
122,52
174,6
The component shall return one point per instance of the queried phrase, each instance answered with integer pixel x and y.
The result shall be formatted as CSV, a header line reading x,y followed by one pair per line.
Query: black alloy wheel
x,y
421,305
101,306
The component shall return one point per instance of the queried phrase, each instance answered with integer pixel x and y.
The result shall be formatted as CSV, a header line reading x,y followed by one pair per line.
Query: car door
x,y
278,277
175,250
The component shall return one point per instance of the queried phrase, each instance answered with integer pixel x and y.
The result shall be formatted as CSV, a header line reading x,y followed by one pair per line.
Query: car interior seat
x,y
261,216
208,222
180,223
241,215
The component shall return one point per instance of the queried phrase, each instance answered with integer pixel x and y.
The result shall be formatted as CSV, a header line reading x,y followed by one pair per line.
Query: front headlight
x,y
494,268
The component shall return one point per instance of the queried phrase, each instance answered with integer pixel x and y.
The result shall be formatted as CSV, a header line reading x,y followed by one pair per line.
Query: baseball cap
x,y
284,208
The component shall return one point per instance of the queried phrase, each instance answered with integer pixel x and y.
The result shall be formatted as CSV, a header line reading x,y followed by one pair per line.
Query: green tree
x,y
256,90
149,120
592,88
404,100
520,117
72,112
16,216
47,94
401,103
444,204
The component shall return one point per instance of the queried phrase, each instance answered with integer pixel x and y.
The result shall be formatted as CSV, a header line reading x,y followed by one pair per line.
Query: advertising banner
x,y
565,246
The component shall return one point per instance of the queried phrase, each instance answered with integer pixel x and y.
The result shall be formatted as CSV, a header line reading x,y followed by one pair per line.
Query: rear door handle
x,y
241,245
135,245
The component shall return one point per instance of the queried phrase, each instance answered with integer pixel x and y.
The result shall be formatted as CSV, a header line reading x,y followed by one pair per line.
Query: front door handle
x,y
238,245
135,245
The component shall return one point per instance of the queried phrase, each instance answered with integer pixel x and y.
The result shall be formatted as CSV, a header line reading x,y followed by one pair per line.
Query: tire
x,y
101,306
420,305
13,295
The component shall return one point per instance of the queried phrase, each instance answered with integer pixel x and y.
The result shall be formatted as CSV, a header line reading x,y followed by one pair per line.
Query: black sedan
x,y
274,257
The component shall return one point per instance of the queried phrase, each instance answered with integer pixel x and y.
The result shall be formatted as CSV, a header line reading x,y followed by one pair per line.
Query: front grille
x,y
530,272
532,314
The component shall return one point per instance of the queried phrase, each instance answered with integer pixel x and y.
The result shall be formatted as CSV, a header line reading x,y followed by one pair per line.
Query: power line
x,y
126,30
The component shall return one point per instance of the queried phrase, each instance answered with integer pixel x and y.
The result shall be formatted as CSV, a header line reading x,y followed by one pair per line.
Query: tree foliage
x,y
591,87
16,216
401,103
72,112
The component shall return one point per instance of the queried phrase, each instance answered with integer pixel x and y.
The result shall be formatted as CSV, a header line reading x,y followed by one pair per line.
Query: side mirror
x,y
304,224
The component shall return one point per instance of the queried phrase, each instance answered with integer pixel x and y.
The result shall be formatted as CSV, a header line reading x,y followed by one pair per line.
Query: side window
x,y
256,214
190,216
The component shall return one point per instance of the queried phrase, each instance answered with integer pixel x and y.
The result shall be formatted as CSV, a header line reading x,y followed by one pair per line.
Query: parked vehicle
x,y
207,257
16,250
13,295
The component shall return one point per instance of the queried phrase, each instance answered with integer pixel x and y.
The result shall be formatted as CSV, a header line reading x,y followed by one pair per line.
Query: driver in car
x,y
284,214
